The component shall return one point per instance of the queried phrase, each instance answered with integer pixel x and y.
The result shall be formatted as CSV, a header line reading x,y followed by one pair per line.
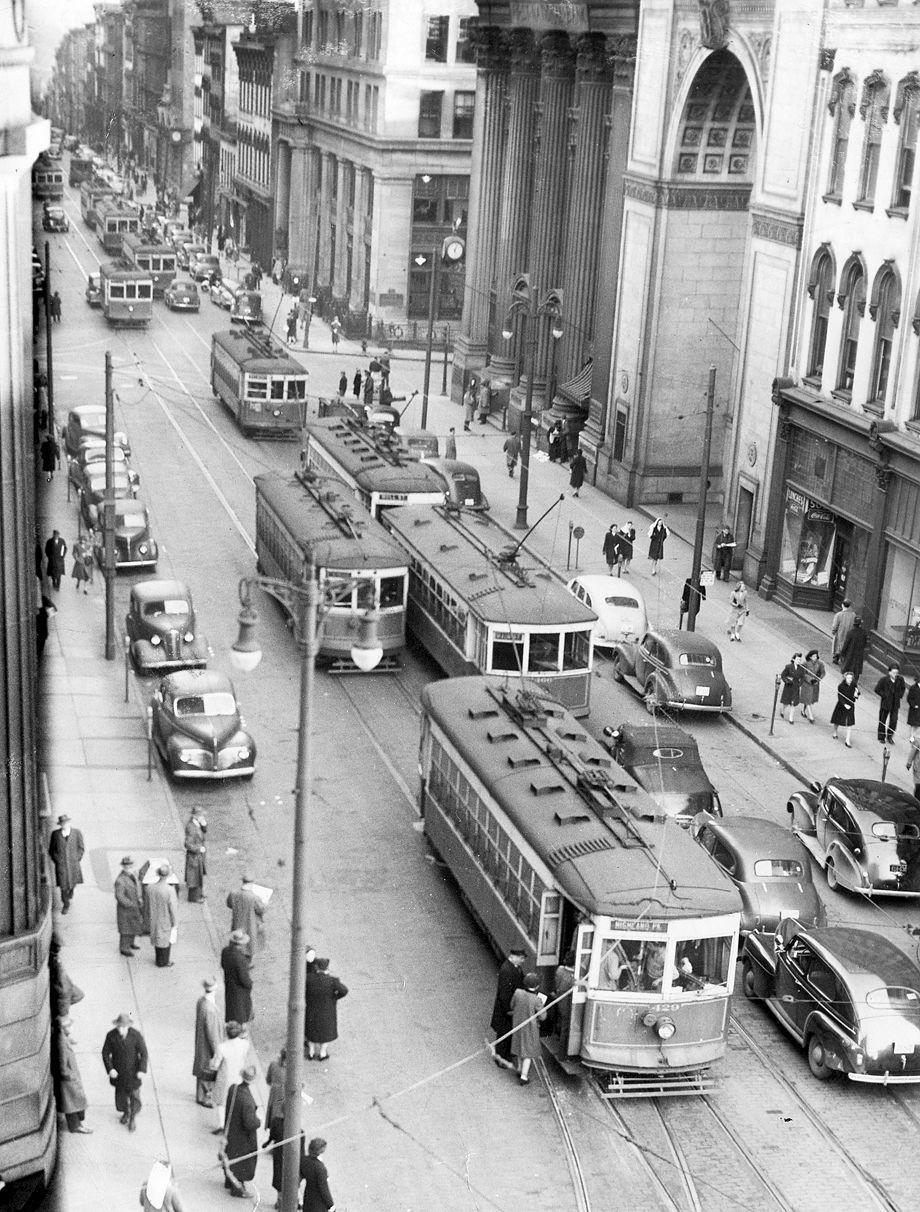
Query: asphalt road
x,y
422,1130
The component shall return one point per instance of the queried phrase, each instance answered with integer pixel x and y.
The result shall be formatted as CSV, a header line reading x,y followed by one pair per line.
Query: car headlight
x,y
143,549
155,640
243,753
186,755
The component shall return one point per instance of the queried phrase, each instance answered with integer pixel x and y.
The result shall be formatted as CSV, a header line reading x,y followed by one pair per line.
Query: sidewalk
x,y
96,763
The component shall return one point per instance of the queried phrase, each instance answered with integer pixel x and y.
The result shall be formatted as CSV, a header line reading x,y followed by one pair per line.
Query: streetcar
x,y
81,169
93,193
307,518
479,603
115,220
382,472
126,294
47,180
561,854
259,383
157,260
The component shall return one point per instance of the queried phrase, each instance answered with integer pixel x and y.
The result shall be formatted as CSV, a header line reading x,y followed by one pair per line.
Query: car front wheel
x,y
617,664
831,872
749,981
652,700
817,1059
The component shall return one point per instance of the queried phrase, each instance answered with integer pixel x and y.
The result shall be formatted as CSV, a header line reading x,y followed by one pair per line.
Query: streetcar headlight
x,y
665,1028
188,637
155,640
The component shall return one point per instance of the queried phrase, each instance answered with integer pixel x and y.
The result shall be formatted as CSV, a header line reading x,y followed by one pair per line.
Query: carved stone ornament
x,y
523,51
907,93
843,86
763,46
826,58
876,83
623,59
556,54
591,59
883,476
687,197
714,22
686,49
491,47
778,230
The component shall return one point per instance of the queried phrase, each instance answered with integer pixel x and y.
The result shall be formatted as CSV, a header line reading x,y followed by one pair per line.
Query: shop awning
x,y
578,389
191,190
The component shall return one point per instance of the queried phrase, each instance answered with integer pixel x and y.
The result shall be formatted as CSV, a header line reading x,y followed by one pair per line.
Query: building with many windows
x,y
373,140
216,99
71,79
104,80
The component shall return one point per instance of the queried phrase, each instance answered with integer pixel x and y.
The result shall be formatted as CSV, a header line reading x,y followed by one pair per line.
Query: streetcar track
x,y
572,1157
774,1191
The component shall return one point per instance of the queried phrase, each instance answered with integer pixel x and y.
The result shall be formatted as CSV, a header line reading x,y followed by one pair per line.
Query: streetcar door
x,y
584,945
550,928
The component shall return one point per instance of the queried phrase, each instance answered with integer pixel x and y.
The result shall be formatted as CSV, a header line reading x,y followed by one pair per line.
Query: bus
x,y
259,383
47,180
157,260
116,219
81,169
126,294
92,193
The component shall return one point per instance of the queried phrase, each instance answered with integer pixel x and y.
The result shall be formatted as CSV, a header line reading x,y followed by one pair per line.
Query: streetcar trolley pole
x,y
777,682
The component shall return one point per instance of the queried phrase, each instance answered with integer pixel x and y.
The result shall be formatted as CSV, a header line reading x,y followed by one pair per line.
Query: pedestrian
x,y
657,533
323,992
64,993
913,705
563,984
129,902
510,979
512,448
814,671
234,1053
85,548
356,385
124,1055
483,401
890,690
68,1085
791,677
526,1015
737,611
469,404
65,846
696,593
236,965
241,1142
160,1192
277,270
853,652
913,765
246,912
275,1142
841,627
844,713
54,307
627,546
611,549
55,551
292,326
343,383
316,1194
257,275
209,1035
723,552
196,830
578,465
368,388
79,572
450,444
144,182
336,328
275,1076
50,454
164,916
554,442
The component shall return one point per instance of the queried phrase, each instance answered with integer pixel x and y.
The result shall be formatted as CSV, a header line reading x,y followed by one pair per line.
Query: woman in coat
x,y
234,1053
525,1042
792,677
844,714
322,992
240,1133
853,652
68,1085
579,466
612,549
814,670
912,699
316,1194
80,571
737,611
196,830
657,533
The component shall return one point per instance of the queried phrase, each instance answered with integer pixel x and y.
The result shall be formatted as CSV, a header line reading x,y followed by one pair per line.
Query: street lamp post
x,y
693,603
311,602
524,301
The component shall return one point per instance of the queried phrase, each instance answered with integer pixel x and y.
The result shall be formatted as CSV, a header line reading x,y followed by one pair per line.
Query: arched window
x,y
842,105
852,299
874,111
907,115
885,310
821,289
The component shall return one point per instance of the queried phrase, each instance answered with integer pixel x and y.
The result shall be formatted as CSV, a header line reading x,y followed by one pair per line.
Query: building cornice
x,y
667,195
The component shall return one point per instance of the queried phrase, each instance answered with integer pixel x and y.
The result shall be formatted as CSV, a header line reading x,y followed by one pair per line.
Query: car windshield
x,y
136,520
897,997
168,606
619,600
91,420
778,869
207,260
696,658
893,831
219,702
96,454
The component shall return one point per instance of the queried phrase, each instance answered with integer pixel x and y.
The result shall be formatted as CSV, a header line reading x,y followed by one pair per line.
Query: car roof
x,y
151,591
185,283
866,953
197,681
638,742
601,584
86,410
881,800
756,837
130,505
685,641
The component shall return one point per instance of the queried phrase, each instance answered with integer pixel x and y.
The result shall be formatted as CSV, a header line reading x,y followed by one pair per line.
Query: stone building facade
x,y
218,26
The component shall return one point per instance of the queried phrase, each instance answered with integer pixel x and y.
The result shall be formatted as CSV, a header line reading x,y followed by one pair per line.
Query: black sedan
x,y
182,296
665,761
223,294
54,218
197,729
674,671
161,630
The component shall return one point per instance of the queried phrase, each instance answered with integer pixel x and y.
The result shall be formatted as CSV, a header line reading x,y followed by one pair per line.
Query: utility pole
x,y
693,604
432,298
49,369
444,366
108,511
531,319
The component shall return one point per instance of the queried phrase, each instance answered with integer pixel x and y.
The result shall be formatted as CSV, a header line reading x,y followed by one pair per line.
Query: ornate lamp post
x,y
310,602
525,302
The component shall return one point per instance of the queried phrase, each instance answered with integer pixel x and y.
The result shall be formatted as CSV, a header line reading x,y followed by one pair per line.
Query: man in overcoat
x,y
841,626
195,870
890,690
209,1032
164,916
129,902
66,850
510,978
723,552
246,912
124,1055
240,1135
55,551
236,966
322,992
68,1085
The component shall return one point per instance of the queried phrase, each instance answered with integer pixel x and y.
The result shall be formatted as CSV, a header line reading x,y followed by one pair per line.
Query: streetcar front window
x,y
701,964
632,965
365,595
544,652
257,387
576,650
391,592
507,655
277,387
116,290
297,389
145,290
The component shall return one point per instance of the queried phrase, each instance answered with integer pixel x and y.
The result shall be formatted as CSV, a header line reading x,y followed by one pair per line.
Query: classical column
x,y
301,224
517,182
486,174
282,216
550,184
356,285
585,203
326,216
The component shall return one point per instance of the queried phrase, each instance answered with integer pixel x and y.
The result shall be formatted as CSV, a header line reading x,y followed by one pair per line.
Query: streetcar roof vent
x,y
570,818
483,713
444,547
572,736
521,763
496,738
546,788
591,760
577,850
477,576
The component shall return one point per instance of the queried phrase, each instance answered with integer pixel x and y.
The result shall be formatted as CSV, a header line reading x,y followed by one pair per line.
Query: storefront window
x,y
899,621
808,542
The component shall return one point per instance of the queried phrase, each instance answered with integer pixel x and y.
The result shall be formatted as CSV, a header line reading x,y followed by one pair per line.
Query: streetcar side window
x,y
507,655
391,592
576,649
544,652
144,290
701,963
296,389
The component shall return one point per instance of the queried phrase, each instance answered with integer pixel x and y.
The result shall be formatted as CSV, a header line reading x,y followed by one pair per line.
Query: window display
x,y
809,531
899,620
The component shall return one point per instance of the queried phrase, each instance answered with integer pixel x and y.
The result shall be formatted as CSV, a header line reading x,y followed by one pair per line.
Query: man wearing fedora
x,y
246,910
129,904
124,1055
195,832
66,851
240,1135
164,916
236,965
209,1032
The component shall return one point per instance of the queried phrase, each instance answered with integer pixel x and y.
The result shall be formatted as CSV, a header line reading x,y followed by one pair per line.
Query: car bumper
x,y
157,666
188,772
708,708
177,306
885,1079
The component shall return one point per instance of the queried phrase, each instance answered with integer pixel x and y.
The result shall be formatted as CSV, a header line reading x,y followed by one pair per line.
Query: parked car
x,y
223,294
197,728
54,218
161,630
865,834
771,869
93,292
619,606
678,670
665,761
135,546
247,307
92,492
91,457
175,234
88,420
848,996
204,266
182,296
186,250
